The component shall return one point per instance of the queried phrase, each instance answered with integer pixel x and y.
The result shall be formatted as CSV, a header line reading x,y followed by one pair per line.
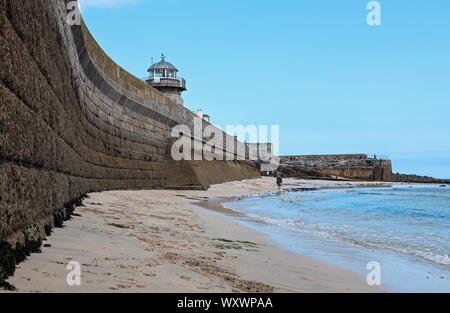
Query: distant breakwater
x,y
349,166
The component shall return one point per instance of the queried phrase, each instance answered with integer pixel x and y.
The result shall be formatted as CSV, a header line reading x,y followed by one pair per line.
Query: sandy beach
x,y
164,241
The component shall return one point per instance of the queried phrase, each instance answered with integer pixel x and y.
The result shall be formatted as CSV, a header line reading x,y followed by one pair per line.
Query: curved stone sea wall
x,y
72,122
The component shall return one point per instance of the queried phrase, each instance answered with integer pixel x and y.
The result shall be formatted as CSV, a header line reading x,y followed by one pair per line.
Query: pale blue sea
x,y
405,228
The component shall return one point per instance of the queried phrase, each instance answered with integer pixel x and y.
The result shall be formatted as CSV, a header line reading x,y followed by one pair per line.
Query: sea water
x,y
404,228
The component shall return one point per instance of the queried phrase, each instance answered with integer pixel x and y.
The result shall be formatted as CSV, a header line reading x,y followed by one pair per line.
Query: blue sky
x,y
314,67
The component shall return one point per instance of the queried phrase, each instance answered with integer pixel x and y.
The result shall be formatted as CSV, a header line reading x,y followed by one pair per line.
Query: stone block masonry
x,y
72,122
351,166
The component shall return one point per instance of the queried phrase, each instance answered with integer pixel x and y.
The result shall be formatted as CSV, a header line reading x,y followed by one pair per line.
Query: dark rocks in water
x,y
302,189
443,186
411,178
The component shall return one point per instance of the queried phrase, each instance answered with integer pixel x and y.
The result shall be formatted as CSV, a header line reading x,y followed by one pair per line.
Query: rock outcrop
x,y
412,178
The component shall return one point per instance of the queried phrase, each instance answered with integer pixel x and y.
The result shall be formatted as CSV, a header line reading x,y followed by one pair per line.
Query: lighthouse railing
x,y
160,80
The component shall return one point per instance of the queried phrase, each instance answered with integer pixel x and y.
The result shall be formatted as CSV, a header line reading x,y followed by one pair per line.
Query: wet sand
x,y
163,241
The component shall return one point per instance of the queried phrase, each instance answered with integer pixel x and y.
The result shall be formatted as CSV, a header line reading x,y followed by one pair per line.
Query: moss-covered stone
x,y
29,240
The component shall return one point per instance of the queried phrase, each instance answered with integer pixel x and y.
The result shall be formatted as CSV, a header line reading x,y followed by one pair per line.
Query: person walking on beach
x,y
279,181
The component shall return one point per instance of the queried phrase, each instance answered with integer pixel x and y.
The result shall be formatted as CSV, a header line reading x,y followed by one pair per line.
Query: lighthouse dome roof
x,y
163,65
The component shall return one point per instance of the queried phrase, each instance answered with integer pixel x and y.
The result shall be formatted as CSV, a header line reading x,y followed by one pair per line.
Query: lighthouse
x,y
164,77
